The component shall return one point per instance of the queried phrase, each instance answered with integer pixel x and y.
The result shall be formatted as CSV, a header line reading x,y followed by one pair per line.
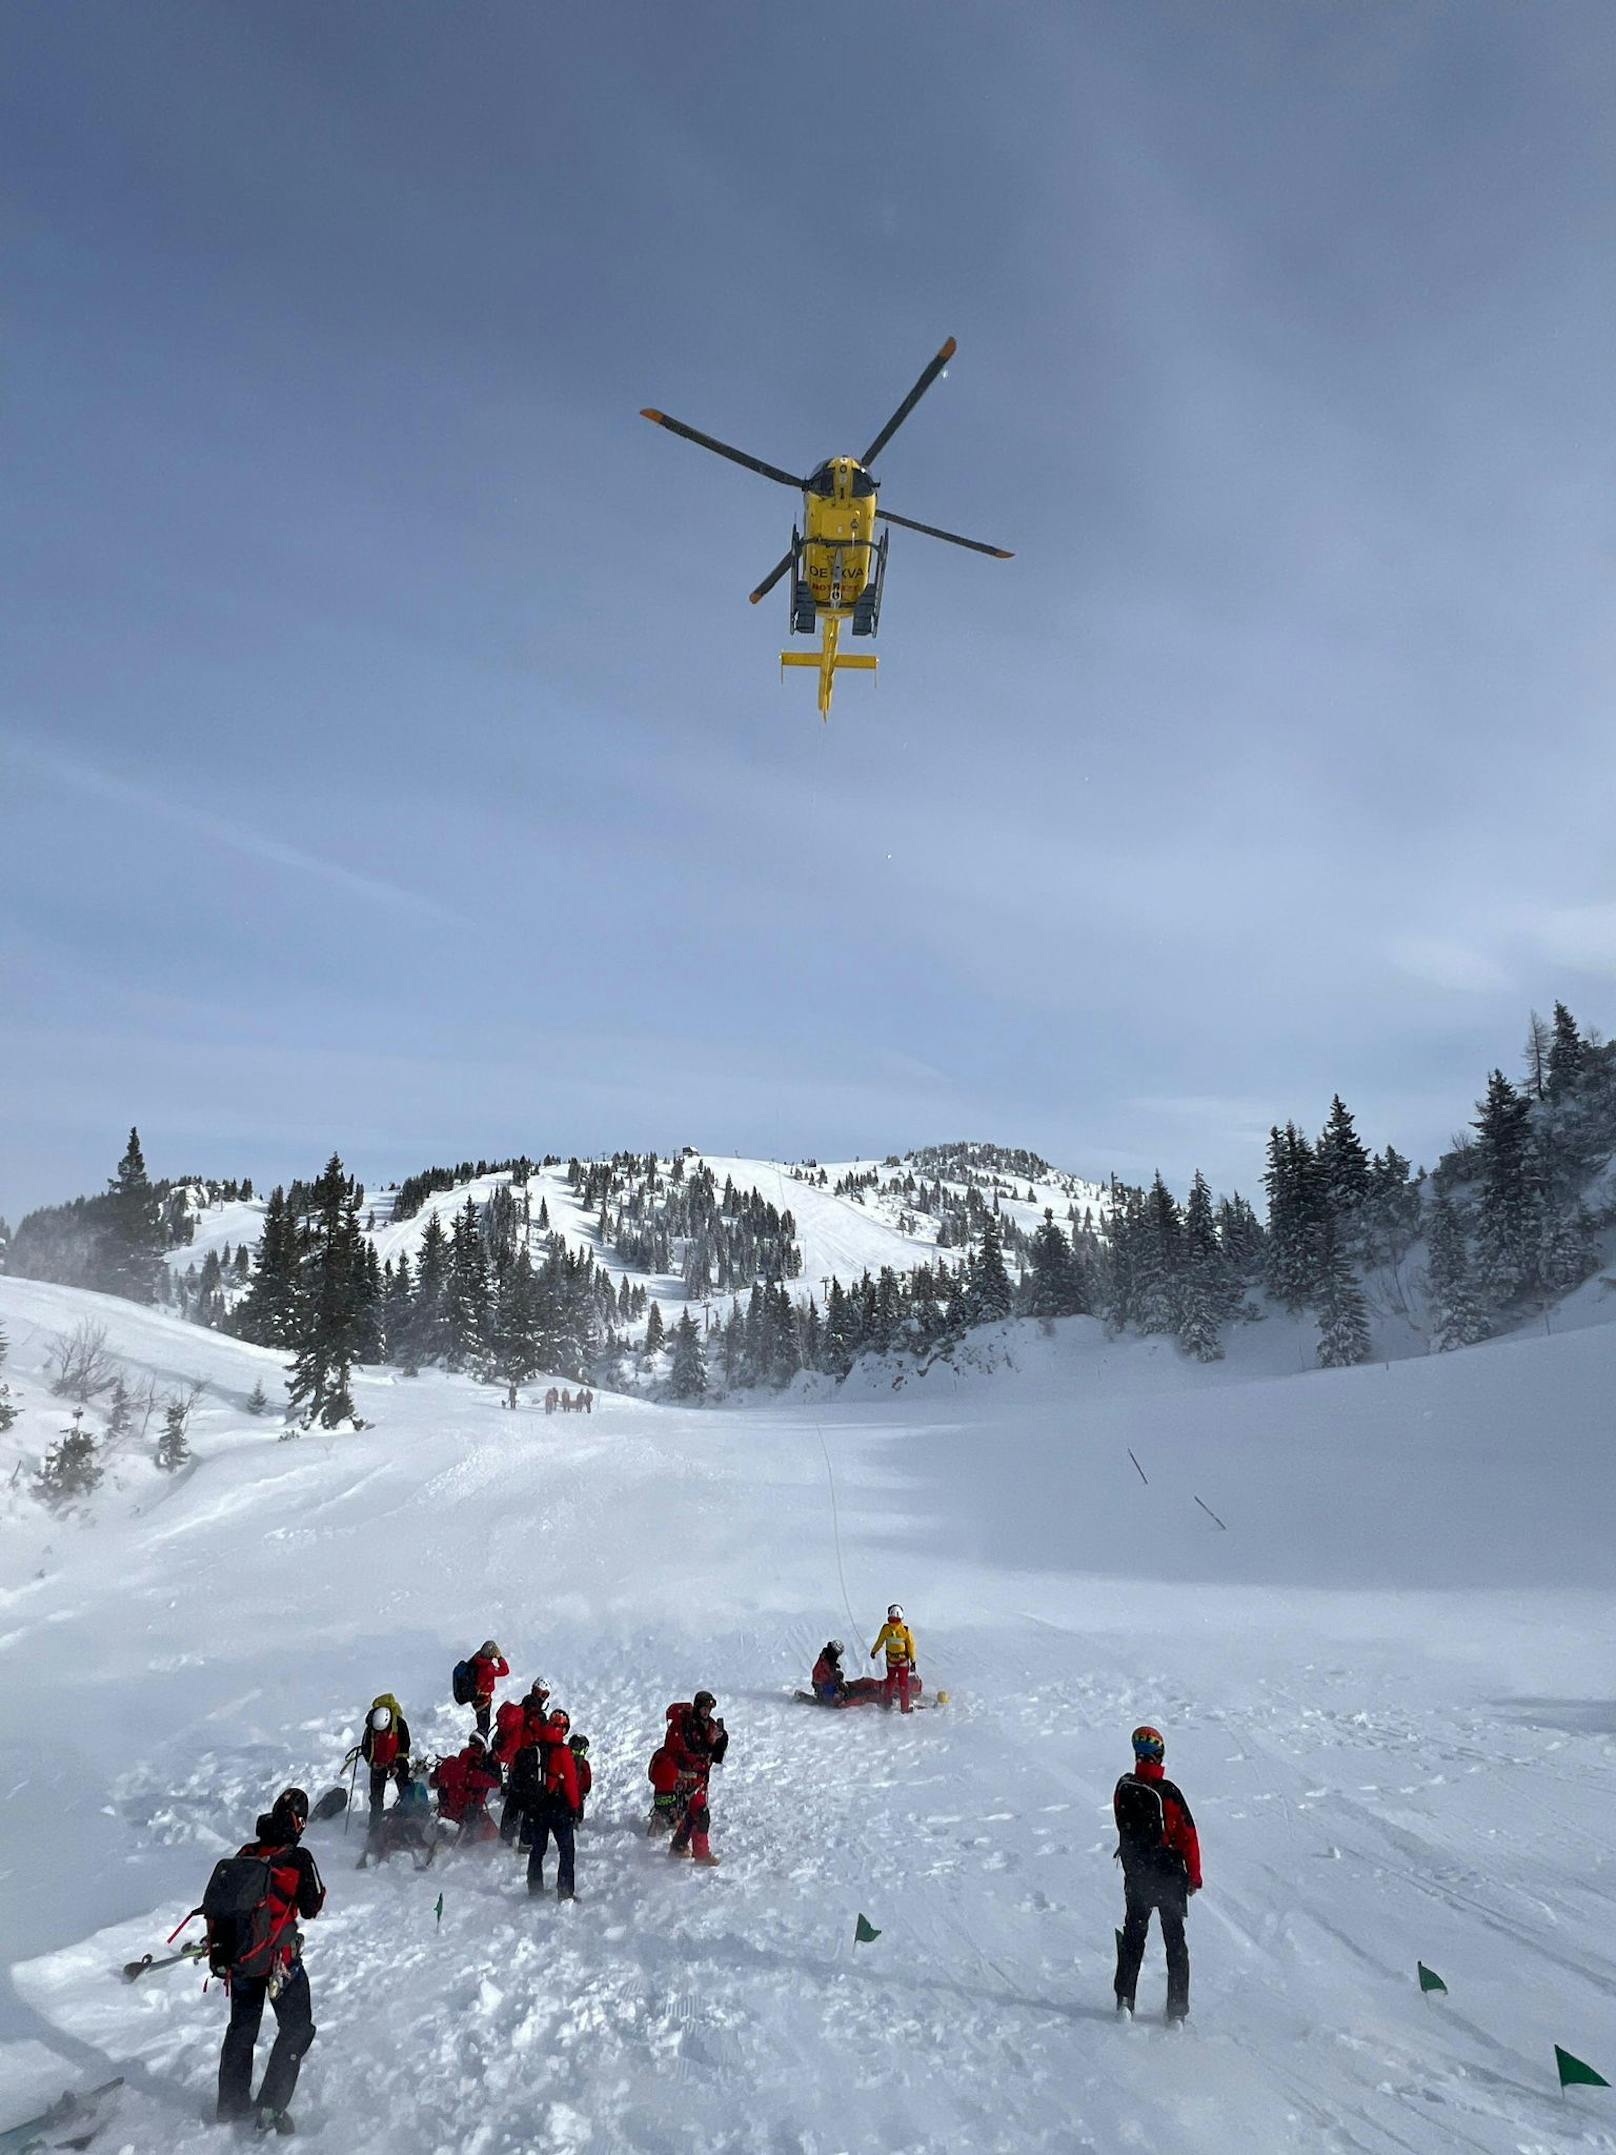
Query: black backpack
x,y
465,1683
244,1921
1142,1823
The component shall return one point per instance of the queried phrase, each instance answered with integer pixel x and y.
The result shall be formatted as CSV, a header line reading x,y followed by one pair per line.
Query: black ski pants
x,y
1169,1897
513,1825
294,2019
560,1823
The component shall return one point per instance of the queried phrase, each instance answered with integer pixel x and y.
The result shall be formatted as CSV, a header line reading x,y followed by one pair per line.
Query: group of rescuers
x,y
527,1749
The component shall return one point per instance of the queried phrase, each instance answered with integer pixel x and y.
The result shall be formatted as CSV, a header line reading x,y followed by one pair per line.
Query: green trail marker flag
x,y
1574,2074
440,1907
864,1932
1429,1979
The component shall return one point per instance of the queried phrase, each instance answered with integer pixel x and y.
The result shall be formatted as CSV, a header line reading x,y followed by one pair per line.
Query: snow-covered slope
x,y
1385,1684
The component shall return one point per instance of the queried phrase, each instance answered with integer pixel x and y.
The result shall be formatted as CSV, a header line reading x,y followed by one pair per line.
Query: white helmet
x,y
380,1717
895,1611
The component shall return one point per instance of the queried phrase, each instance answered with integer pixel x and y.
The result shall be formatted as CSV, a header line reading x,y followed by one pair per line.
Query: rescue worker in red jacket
x,y
518,1722
579,1747
295,1889
464,1784
698,1741
546,1773
663,1775
488,1665
1160,1853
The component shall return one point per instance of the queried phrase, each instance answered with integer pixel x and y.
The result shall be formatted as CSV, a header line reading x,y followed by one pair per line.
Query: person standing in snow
x,y
385,1749
1160,1853
546,1774
518,1722
488,1665
579,1747
296,1889
899,1643
697,1740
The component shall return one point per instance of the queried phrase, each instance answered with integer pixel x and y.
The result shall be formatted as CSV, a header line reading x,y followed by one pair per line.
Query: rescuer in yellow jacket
x,y
899,1642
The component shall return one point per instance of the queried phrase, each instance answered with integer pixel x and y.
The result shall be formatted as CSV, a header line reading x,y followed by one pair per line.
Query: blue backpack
x,y
464,1682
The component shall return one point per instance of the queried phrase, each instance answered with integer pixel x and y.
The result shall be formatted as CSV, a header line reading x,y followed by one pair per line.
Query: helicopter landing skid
x,y
828,661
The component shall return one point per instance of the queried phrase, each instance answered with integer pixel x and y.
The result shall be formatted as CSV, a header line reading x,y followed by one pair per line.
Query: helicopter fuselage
x,y
838,548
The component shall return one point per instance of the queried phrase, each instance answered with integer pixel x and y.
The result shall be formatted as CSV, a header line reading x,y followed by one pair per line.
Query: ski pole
x,y
353,1783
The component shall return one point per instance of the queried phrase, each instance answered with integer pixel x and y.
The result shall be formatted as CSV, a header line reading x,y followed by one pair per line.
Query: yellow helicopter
x,y
838,567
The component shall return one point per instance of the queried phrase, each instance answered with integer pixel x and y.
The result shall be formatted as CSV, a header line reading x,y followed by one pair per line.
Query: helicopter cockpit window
x,y
863,486
823,483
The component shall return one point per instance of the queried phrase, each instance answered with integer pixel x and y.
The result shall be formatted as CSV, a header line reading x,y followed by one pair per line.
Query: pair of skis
x,y
71,2123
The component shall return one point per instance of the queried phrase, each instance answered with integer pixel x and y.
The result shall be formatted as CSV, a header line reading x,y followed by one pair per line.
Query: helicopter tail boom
x,y
828,661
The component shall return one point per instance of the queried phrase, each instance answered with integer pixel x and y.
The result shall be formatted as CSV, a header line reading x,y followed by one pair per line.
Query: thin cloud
x,y
218,830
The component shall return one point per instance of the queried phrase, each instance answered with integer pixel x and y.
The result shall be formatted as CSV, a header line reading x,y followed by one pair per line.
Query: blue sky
x,y
389,759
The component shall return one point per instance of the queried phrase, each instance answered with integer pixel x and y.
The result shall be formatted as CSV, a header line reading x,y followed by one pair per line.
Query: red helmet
x,y
560,1720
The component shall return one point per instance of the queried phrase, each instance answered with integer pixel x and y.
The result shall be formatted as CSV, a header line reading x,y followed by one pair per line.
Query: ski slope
x,y
1385,1683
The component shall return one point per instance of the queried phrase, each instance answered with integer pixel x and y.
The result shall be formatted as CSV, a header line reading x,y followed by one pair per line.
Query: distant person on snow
x,y
698,1741
1160,1854
899,1644
385,1749
545,1776
464,1784
488,1665
270,1966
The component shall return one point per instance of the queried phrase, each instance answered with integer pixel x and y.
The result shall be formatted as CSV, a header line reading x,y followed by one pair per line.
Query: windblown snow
x,y
1380,1653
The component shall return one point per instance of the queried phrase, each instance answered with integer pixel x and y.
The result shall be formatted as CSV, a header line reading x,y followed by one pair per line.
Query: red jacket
x,y
561,1776
1171,1834
485,1673
663,1771
464,1783
510,1723
697,1742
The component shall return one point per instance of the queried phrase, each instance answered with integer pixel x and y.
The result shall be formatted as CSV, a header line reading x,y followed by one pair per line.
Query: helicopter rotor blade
x,y
977,546
722,448
774,575
933,369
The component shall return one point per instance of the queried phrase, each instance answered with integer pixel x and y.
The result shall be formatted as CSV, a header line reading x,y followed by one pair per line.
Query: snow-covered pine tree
x,y
1208,1290
1535,1056
258,1399
1509,1221
428,1338
1343,1312
516,1356
71,1468
173,1446
1457,1317
130,1257
467,1304
1568,1055
1295,1216
1161,1267
988,1290
267,1312
329,1308
655,1329
120,1411
1342,1161
687,1372
1056,1285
